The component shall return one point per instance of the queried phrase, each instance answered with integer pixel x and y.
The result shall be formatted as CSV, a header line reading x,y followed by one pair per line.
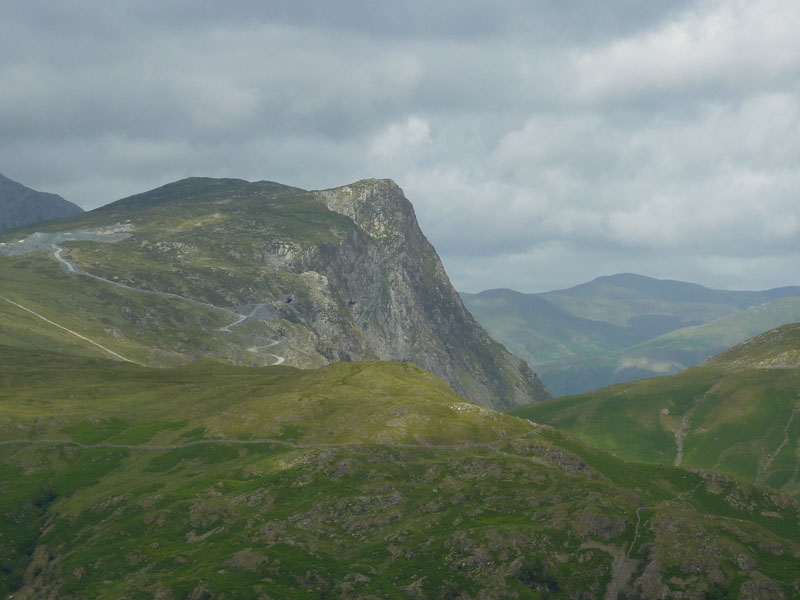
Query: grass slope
x,y
737,413
355,480
148,329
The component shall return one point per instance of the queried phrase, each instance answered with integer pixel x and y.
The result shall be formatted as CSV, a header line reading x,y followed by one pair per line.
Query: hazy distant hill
x,y
20,206
624,327
736,413
534,328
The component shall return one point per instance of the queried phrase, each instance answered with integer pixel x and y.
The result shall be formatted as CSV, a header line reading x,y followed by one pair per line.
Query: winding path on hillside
x,y
257,349
239,318
766,463
638,525
686,422
75,333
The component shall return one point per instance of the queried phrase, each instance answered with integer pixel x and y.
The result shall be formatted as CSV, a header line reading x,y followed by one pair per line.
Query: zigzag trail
x,y
239,318
257,349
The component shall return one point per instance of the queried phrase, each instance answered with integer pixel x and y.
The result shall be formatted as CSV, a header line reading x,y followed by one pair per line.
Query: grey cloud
x,y
542,143
417,19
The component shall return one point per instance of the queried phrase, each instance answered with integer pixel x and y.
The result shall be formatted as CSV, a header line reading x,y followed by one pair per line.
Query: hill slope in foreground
x,y
254,274
736,413
20,205
356,480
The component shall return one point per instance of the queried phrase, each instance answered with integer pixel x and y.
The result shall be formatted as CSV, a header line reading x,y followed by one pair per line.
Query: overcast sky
x,y
542,143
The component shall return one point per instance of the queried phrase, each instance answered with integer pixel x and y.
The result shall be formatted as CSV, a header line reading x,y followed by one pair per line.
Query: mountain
x,y
535,329
625,327
656,306
252,273
736,413
669,353
20,206
354,480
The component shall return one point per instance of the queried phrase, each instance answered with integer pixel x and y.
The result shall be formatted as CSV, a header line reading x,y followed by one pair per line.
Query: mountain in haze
x,y
254,273
354,480
737,413
672,352
656,306
625,327
20,206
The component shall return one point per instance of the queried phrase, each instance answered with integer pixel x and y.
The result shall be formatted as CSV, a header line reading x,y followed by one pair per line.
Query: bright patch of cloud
x,y
399,138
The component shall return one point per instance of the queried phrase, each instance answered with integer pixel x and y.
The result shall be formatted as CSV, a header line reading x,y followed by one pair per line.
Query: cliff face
x,y
20,206
400,297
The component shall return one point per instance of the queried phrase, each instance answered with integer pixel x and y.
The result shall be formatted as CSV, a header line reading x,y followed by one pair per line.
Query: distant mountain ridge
x,y
628,287
20,205
622,327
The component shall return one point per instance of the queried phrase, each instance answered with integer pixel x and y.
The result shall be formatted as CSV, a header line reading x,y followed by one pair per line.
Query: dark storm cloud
x,y
542,143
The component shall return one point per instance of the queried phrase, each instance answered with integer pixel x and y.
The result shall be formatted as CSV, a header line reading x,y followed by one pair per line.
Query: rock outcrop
x,y
399,294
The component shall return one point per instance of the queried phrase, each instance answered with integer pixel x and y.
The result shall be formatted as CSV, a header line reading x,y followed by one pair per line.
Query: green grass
x,y
353,498
742,417
625,419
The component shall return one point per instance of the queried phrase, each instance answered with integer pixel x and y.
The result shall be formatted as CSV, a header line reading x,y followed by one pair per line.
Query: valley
x,y
626,327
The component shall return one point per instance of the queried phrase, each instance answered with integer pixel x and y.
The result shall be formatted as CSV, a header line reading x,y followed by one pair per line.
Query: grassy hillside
x,y
736,413
354,480
144,328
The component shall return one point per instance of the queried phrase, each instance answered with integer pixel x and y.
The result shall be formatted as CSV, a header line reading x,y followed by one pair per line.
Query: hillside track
x,y
238,318
75,333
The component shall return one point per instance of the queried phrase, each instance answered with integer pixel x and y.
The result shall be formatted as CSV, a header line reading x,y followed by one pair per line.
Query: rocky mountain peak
x,y
378,206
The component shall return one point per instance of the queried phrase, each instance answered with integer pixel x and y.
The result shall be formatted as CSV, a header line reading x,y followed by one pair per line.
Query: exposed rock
x,y
247,559
763,589
397,291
